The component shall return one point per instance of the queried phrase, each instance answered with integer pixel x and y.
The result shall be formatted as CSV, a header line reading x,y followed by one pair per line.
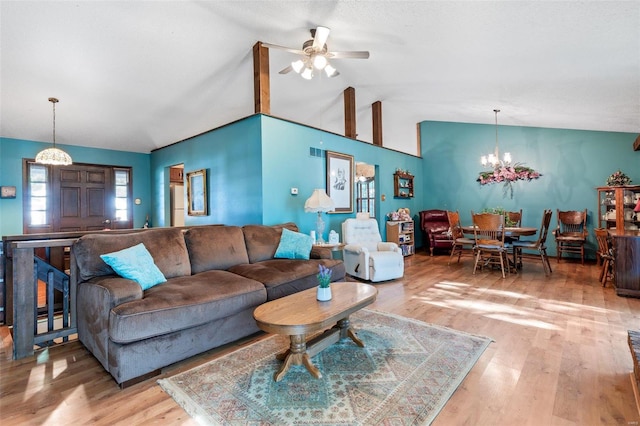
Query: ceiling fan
x,y
316,55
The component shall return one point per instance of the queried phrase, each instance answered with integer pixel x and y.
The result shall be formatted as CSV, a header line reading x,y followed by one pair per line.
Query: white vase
x,y
324,294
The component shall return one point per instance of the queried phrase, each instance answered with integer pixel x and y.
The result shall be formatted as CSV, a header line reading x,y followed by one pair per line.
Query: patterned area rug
x,y
405,374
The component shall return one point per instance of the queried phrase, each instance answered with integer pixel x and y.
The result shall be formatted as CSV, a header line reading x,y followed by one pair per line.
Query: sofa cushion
x,y
135,263
282,277
166,245
293,245
168,307
215,247
262,241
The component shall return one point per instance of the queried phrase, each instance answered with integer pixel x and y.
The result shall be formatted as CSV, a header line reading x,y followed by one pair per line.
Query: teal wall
x,y
287,163
12,151
573,164
253,163
231,156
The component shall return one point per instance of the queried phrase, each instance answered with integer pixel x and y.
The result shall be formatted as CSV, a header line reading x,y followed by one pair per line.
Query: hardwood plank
x,y
559,355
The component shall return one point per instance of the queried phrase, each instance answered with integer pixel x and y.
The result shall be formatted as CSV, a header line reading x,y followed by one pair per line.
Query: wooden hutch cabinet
x,y
615,207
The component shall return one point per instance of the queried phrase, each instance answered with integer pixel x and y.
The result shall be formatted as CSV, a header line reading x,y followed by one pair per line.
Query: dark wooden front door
x,y
86,198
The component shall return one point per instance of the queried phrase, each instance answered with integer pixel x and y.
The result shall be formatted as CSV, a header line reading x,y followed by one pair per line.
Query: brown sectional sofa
x,y
216,276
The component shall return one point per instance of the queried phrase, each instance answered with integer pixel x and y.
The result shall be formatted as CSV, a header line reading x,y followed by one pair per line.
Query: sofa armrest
x,y
119,290
95,299
388,246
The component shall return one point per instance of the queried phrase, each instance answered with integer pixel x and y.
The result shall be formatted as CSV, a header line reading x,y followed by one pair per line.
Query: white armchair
x,y
366,256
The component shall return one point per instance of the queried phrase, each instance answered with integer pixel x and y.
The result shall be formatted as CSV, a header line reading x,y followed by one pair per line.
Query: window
x,y
366,196
38,181
122,194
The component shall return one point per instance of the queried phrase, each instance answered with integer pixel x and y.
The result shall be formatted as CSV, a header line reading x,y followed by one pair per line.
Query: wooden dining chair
x,y
539,245
489,241
460,242
514,218
604,254
571,233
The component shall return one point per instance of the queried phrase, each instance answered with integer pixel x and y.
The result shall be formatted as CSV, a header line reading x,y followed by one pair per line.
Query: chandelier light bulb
x,y
507,157
483,160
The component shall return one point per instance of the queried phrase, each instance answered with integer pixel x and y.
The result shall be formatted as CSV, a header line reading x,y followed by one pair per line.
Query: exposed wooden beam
x,y
350,113
636,144
261,90
376,112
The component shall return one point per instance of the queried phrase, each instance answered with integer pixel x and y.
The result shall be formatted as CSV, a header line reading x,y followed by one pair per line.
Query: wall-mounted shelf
x,y
402,185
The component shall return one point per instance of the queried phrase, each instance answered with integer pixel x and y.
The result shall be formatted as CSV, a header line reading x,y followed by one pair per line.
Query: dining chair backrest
x,y
602,236
572,222
544,227
454,224
514,218
488,229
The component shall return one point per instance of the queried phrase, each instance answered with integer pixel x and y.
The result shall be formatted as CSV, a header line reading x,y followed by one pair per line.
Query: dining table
x,y
509,231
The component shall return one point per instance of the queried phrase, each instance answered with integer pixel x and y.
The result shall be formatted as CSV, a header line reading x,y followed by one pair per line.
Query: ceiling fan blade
x,y
286,49
286,70
353,55
320,38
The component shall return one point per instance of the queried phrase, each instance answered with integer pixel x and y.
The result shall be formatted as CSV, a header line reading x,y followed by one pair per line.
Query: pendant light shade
x,y
54,156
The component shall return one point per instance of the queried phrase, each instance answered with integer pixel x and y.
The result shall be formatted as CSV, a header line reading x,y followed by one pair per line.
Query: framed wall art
x,y
197,193
340,181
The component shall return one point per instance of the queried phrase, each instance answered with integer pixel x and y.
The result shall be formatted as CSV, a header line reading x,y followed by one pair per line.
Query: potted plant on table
x,y
324,283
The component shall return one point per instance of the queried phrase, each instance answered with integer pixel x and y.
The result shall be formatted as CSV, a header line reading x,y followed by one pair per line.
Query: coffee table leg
x,y
347,331
296,355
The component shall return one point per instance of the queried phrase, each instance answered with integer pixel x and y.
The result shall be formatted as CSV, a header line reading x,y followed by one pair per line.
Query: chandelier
x,y
493,159
502,171
54,156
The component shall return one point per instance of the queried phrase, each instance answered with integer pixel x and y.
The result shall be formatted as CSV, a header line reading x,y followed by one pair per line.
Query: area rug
x,y
404,375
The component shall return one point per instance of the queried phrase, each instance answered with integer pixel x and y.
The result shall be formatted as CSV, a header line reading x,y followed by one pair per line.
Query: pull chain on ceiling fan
x,y
316,55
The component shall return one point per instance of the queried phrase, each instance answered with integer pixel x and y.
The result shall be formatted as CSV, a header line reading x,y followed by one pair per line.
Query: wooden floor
x,y
559,355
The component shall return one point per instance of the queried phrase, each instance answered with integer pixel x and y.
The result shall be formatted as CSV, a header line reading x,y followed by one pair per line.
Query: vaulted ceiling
x,y
139,75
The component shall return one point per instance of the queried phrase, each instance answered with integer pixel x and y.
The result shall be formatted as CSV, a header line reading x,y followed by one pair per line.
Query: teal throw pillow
x,y
293,245
135,263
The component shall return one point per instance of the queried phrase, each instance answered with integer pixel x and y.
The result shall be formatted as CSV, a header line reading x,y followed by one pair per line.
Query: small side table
x,y
336,249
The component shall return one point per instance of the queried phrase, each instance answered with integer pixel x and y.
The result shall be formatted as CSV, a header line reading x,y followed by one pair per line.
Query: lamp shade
x,y
637,207
319,202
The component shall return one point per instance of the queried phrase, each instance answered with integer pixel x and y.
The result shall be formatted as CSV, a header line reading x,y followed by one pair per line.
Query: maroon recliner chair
x,y
435,230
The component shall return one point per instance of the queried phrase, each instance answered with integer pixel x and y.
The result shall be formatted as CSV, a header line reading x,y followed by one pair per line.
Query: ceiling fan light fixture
x,y
307,74
330,71
319,61
297,65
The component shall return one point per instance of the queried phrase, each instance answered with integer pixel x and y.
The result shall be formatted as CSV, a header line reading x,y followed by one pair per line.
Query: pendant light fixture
x,y
53,156
493,159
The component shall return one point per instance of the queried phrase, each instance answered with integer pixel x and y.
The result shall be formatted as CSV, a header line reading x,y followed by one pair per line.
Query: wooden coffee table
x,y
300,314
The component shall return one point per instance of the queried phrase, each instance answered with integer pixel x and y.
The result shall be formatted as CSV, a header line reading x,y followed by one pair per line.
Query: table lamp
x,y
319,202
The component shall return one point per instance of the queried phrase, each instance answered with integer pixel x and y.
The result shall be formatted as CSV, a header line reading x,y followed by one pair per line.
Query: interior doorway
x,y
176,194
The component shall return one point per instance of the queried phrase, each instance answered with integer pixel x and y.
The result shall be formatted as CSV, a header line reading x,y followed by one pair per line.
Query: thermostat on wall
x,y
7,192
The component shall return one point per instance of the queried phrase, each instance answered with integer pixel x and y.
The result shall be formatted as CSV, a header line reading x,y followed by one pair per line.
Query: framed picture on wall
x,y
340,181
197,193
